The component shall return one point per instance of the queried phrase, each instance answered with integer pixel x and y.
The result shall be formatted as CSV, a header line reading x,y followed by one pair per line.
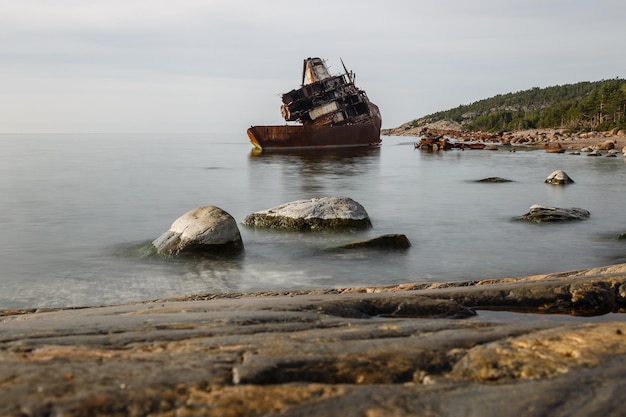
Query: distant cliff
x,y
584,106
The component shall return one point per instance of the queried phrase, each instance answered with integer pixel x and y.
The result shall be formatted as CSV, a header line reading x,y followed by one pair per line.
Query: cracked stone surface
x,y
536,346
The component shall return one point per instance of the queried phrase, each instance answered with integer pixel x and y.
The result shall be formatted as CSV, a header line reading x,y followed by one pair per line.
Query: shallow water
x,y
78,210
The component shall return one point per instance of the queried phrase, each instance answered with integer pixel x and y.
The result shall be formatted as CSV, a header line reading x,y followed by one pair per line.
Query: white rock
x,y
559,177
203,229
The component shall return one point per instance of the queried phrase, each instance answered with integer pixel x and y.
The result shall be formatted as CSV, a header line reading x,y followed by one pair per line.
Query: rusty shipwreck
x,y
327,111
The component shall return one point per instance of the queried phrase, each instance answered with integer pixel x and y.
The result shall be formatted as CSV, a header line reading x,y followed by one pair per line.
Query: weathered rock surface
x,y
559,177
538,214
207,229
411,349
389,241
315,213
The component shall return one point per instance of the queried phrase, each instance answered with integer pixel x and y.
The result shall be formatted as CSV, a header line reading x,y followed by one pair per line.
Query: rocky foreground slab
x,y
550,345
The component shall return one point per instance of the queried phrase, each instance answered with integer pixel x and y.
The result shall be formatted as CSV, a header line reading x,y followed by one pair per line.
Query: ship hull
x,y
313,136
331,112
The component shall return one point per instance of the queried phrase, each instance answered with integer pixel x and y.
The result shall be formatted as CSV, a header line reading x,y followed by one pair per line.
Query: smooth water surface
x,y
77,212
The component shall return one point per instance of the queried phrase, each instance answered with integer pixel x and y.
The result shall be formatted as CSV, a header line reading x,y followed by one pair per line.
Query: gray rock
x,y
559,177
315,213
538,213
390,241
207,229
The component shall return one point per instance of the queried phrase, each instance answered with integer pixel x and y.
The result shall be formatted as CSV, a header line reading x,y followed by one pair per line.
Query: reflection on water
x,y
337,161
314,154
308,170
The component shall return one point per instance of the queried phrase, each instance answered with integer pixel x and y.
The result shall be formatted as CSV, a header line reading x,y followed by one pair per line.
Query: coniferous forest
x,y
584,106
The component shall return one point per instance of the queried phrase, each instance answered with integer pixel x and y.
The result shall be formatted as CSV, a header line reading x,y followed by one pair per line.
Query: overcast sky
x,y
221,65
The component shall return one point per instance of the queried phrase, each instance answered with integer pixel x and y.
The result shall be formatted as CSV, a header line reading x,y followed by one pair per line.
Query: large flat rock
x,y
544,345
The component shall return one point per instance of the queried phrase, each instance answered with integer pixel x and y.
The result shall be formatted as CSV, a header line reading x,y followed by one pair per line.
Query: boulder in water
x,y
315,213
207,229
559,177
538,214
390,241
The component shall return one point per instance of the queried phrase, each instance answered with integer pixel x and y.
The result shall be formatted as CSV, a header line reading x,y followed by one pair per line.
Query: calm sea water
x,y
77,211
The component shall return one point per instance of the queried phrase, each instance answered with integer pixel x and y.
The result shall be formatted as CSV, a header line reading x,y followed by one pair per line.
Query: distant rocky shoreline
x,y
533,137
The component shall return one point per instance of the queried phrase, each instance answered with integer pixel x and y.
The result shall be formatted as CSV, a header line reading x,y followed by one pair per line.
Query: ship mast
x,y
349,74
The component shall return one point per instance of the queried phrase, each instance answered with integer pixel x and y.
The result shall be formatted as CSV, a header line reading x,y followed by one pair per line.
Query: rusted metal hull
x,y
298,136
315,136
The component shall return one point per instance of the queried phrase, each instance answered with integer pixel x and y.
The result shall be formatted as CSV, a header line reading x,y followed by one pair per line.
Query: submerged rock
x,y
207,229
315,213
390,241
559,177
538,213
494,180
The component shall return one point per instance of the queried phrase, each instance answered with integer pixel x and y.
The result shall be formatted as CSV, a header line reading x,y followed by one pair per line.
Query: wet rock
x,y
538,214
595,152
389,241
559,177
315,213
494,180
373,351
207,230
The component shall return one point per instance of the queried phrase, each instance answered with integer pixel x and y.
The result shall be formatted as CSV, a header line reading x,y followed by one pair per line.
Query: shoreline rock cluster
x,y
464,348
536,137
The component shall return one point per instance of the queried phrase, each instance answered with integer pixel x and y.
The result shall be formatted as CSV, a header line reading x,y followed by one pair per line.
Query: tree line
x,y
584,106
